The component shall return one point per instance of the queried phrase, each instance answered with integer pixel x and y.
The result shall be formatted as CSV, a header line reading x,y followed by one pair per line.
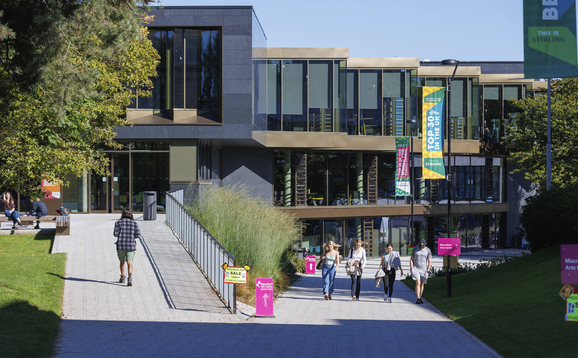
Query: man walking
x,y
419,266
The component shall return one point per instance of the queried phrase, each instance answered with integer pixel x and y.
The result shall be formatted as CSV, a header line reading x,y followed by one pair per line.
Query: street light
x,y
455,63
412,122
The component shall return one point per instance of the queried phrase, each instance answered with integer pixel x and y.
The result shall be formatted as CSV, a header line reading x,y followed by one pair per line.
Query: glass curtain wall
x,y
189,73
341,178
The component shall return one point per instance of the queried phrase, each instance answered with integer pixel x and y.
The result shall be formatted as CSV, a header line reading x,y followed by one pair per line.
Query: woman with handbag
x,y
331,263
389,262
357,261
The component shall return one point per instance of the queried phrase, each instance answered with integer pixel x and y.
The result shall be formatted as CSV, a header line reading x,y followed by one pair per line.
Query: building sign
x,y
433,132
310,264
50,190
449,246
402,183
264,297
235,275
571,309
550,38
569,264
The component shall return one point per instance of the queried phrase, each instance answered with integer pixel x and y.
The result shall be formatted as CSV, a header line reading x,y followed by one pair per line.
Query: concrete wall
x,y
249,165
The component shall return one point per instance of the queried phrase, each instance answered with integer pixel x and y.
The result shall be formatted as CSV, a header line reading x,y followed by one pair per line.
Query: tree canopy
x,y
527,135
68,70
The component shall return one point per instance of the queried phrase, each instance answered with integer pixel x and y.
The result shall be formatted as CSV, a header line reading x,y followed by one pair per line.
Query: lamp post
x,y
455,63
412,122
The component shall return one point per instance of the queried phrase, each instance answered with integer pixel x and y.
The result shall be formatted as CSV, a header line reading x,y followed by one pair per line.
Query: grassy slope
x,y
514,307
31,288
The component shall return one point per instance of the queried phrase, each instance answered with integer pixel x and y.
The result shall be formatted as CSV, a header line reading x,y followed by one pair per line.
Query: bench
x,y
62,222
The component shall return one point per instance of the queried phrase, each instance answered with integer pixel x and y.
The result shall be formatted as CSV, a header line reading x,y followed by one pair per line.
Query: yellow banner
x,y
236,275
433,99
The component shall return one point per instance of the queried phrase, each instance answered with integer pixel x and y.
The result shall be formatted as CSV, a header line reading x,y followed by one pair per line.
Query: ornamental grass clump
x,y
254,232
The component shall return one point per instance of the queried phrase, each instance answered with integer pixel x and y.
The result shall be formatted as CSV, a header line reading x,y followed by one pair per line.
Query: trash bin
x,y
149,205
300,253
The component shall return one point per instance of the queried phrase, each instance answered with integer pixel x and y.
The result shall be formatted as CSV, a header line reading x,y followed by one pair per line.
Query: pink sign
x,y
310,264
264,296
449,246
569,264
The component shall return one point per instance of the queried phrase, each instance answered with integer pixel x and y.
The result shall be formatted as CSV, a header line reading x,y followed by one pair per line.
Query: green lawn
x,y
514,307
31,287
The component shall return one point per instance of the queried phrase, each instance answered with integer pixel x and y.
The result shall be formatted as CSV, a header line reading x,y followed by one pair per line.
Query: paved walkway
x,y
171,311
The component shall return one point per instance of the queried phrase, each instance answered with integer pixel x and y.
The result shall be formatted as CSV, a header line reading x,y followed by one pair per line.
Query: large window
x,y
189,74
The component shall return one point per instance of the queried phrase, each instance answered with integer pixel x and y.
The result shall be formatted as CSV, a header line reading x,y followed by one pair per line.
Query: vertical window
x,y
492,113
370,102
268,94
352,102
316,179
511,93
340,95
393,102
320,96
294,96
458,102
337,178
474,109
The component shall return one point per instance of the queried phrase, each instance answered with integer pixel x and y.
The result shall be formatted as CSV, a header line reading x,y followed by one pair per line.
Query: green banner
x,y
402,184
550,39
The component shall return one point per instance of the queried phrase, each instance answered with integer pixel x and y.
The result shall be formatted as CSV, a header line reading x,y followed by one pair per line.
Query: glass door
x,y
120,182
111,193
99,193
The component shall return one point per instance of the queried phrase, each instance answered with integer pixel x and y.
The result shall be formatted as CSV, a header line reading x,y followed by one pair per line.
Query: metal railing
x,y
208,254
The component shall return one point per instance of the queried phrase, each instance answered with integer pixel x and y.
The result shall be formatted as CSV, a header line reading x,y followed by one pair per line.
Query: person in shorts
x,y
419,266
126,231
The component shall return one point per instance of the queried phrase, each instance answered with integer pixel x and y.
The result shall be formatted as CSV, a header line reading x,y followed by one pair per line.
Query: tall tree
x,y
68,69
527,135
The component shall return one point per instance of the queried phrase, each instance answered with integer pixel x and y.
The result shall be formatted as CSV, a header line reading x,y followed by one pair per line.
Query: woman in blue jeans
x,y
331,256
10,210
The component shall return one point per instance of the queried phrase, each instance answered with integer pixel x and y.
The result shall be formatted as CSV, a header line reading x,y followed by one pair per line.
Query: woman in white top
x,y
331,256
357,254
389,262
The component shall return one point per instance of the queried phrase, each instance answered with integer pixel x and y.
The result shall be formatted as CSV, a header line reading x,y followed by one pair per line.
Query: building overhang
x,y
343,141
368,211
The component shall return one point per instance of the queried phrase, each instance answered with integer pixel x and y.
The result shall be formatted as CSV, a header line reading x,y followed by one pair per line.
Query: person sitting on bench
x,y
39,210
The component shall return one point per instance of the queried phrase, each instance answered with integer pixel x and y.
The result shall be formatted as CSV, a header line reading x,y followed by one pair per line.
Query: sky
x,y
466,30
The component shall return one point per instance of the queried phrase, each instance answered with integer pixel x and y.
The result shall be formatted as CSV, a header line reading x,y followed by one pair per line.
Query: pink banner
x,y
264,297
449,246
569,264
310,264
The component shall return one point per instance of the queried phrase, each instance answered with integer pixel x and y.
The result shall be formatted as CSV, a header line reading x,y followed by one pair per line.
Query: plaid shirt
x,y
126,230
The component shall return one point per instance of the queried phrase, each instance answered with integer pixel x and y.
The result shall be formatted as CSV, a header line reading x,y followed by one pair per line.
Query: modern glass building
x,y
313,131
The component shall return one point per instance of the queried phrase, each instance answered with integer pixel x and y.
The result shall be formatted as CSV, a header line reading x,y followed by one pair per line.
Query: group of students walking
x,y
420,264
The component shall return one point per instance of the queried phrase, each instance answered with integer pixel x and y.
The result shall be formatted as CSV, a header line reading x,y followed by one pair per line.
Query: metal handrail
x,y
206,251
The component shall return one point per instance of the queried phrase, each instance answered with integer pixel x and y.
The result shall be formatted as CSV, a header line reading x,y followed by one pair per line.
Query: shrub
x,y
550,218
255,233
